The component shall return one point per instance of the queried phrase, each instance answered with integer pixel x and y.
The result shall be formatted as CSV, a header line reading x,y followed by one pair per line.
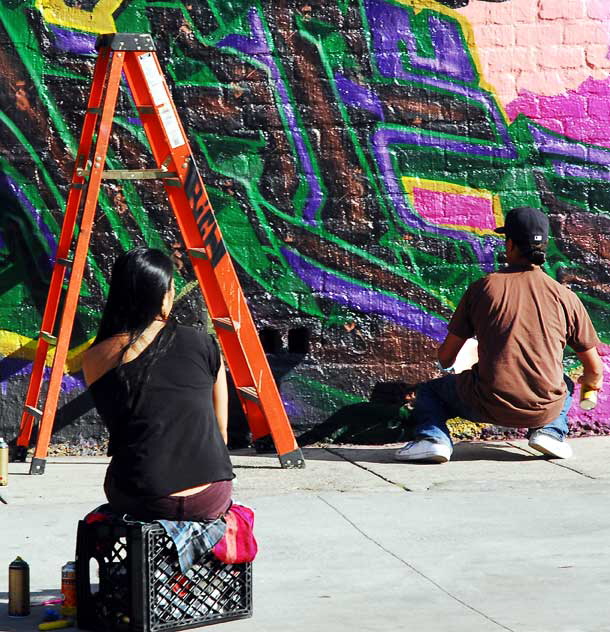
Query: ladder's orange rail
x,y
134,55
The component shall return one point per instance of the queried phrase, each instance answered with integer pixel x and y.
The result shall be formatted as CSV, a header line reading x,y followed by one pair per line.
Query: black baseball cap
x,y
526,225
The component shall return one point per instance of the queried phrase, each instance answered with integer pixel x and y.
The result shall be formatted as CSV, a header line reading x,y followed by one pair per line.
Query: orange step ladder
x,y
134,56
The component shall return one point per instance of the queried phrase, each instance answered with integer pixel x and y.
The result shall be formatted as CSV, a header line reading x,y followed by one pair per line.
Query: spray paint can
x,y
3,462
68,588
588,397
18,588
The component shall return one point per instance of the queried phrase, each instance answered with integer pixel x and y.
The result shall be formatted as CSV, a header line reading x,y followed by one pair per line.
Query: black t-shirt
x,y
170,441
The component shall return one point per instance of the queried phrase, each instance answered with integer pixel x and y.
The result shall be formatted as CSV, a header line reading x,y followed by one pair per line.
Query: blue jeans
x,y
437,401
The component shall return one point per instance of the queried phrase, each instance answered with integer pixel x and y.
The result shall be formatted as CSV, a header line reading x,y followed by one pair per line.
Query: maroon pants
x,y
209,504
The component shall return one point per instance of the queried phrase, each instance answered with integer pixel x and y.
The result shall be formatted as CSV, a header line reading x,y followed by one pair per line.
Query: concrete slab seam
x,y
416,570
553,462
366,469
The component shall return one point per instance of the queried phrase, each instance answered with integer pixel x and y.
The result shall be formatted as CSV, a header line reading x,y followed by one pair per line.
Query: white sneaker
x,y
547,444
424,450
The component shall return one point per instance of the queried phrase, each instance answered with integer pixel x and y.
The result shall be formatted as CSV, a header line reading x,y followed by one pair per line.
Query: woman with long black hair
x,y
161,390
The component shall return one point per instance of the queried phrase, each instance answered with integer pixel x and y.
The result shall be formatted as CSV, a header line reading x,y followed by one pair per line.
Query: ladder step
x,y
198,253
249,392
35,412
138,174
48,337
64,262
224,323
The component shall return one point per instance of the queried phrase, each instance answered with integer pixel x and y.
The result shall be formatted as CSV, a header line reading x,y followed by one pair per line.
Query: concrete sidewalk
x,y
500,538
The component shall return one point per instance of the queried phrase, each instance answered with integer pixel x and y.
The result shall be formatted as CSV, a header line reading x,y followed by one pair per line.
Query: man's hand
x,y
593,374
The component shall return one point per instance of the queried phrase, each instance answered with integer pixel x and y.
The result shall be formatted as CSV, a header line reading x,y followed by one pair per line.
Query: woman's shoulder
x,y
194,335
100,358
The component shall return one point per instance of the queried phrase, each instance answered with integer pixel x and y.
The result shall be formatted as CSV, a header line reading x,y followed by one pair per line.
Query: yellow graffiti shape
x,y
98,20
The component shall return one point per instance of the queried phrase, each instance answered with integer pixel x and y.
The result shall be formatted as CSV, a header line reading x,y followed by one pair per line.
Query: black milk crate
x,y
141,587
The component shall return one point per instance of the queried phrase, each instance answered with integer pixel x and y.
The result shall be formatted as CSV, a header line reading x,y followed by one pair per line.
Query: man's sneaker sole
x,y
551,447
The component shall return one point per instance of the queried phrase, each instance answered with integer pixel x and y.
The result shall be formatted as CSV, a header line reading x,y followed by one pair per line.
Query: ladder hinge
x,y
48,338
224,323
35,412
198,253
249,392
125,41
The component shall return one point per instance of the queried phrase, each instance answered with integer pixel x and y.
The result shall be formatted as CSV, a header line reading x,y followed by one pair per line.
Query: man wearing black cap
x,y
522,320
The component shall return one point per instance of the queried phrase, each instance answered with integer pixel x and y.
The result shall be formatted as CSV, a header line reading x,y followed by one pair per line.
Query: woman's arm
x,y
220,397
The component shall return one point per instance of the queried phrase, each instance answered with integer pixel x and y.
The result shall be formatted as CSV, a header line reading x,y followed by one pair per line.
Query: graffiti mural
x,y
358,158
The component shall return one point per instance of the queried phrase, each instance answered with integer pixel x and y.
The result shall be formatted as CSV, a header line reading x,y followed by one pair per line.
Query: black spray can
x,y
18,589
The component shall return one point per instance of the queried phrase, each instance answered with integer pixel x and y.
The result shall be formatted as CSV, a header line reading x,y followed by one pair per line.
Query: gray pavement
x,y
500,538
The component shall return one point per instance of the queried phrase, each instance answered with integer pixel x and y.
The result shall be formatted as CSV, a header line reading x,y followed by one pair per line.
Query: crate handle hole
x,y
94,576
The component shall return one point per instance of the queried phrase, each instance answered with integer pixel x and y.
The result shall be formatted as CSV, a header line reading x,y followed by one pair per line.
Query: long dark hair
x,y
139,281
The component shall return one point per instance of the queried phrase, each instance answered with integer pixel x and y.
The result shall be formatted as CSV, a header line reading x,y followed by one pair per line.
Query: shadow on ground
x,y
17,624
463,451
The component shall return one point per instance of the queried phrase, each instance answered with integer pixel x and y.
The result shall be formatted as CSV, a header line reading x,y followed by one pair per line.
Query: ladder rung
x,y
198,253
78,185
224,322
48,338
35,412
138,174
249,392
94,110
64,262
172,182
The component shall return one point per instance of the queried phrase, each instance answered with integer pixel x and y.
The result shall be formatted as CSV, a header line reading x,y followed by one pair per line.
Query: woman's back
x,y
164,436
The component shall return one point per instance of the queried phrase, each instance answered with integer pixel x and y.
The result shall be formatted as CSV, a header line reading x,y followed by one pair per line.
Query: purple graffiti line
x,y
580,171
358,96
365,299
72,41
257,46
547,143
9,185
507,149
11,367
391,29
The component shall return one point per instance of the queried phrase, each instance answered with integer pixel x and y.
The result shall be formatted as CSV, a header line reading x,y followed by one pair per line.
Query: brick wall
x,y
358,155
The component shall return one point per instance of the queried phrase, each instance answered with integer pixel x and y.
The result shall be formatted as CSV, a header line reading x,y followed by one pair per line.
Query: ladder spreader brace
x,y
134,56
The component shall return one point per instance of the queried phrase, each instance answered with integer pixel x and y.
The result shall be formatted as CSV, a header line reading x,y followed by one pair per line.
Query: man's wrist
x,y
448,369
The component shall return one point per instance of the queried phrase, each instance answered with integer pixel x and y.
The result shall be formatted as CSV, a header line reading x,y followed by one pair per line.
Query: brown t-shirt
x,y
522,319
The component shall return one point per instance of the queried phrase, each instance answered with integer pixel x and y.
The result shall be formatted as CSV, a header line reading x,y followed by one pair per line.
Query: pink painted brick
x,y
581,32
526,103
598,107
562,9
598,9
555,125
497,35
522,11
597,56
521,58
564,107
532,34
561,56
